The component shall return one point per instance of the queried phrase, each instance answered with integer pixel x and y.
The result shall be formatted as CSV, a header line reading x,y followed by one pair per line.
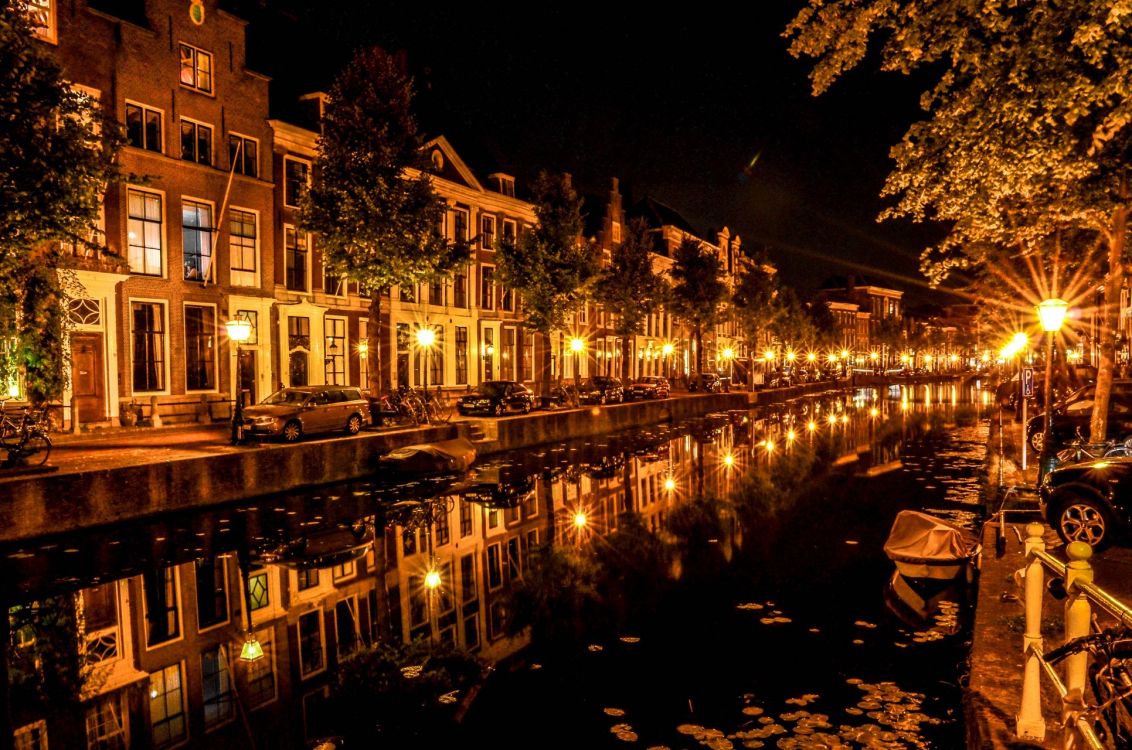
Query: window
x,y
343,571
242,242
509,232
243,155
335,334
310,643
41,13
507,299
161,605
260,674
196,69
460,289
487,232
436,358
487,288
296,246
488,354
200,348
408,293
468,591
418,603
436,293
460,225
196,234
296,179
106,725
508,355
494,567
258,590
143,127
31,736
363,354
196,142
442,532
461,355
332,284
308,578
212,592
144,232
346,626
528,356
167,706
513,555
403,354
216,684
148,328
465,518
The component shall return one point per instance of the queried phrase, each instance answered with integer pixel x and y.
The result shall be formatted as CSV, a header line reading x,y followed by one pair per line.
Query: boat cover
x,y
926,540
447,455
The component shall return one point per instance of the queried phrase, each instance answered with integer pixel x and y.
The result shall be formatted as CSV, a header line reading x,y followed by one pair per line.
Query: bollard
x,y
154,415
1029,723
1078,622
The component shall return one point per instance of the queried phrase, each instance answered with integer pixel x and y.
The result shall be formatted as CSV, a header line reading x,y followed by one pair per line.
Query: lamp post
x,y
488,353
1051,312
426,337
729,356
667,349
239,330
577,345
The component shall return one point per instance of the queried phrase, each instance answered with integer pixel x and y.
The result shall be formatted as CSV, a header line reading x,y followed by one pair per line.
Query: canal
x,y
717,583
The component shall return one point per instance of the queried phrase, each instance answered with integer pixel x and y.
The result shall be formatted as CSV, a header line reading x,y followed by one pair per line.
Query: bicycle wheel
x,y
35,449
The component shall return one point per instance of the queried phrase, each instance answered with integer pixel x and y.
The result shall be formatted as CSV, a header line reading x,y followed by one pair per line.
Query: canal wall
x,y
46,503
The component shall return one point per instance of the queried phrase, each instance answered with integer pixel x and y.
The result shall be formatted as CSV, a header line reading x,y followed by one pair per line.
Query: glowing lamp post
x,y
1051,313
729,357
426,337
239,330
577,345
667,350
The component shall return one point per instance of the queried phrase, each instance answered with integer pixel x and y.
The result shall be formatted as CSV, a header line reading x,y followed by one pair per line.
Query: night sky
x,y
677,105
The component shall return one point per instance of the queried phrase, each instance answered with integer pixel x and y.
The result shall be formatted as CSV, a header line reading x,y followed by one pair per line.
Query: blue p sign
x,y
1028,382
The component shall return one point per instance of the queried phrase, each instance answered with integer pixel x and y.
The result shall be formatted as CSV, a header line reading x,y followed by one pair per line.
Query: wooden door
x,y
86,377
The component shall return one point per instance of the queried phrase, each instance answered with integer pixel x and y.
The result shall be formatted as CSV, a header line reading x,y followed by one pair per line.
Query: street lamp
x,y
251,650
729,356
577,345
667,349
488,353
239,330
426,337
1051,313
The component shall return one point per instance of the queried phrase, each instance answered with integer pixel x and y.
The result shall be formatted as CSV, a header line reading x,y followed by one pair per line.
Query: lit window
x,y
144,232
196,69
167,706
242,239
196,239
41,13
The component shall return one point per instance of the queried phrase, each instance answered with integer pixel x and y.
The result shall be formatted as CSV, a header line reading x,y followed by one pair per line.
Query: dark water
x,y
726,627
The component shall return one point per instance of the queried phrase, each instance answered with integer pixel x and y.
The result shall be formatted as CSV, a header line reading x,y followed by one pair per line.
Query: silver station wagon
x,y
294,412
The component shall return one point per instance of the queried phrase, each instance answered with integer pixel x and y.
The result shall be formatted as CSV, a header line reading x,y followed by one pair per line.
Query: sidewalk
x,y
994,691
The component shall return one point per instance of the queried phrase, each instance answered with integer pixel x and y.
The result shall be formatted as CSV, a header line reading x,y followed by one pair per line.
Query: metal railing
x,y
1082,596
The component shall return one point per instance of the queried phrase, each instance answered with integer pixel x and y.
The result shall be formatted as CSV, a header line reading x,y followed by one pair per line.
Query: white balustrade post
x,y
1029,723
1078,622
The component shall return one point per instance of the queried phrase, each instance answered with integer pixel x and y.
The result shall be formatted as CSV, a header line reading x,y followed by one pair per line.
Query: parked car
x,y
497,397
1090,502
601,389
1076,410
649,386
779,378
705,382
293,412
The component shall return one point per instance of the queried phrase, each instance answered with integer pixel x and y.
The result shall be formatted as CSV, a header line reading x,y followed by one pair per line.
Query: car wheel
x,y
354,424
292,431
602,400
1037,440
1084,519
497,410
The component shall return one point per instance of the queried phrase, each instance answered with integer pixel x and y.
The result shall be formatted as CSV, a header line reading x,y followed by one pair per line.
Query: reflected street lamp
x,y
1051,312
577,345
252,650
239,330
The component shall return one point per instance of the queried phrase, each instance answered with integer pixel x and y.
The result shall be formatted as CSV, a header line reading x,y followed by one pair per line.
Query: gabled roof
x,y
450,166
658,215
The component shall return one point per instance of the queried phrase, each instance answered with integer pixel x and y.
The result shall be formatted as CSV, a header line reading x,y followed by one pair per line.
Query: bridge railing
x,y
1082,598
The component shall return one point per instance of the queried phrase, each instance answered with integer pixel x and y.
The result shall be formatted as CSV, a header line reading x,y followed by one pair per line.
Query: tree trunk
x,y
374,342
625,354
543,382
698,333
1110,321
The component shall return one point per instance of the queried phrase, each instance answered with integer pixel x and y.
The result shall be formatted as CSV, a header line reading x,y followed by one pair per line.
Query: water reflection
x,y
559,545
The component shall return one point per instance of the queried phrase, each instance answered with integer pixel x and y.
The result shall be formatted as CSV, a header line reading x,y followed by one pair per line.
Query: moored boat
x,y
926,547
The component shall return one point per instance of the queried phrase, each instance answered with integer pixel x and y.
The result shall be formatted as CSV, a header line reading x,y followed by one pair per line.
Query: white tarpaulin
x,y
923,546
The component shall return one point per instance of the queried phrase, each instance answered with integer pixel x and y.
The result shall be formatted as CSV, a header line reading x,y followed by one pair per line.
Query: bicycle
x,y
1081,450
1110,677
26,438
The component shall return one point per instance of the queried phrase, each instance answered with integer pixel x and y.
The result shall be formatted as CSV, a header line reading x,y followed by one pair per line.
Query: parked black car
x,y
1076,410
497,397
601,389
1090,502
649,386
707,382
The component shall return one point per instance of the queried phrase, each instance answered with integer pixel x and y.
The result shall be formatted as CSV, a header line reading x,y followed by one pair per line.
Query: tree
x,y
628,287
755,303
57,156
1029,128
793,326
698,291
550,264
378,219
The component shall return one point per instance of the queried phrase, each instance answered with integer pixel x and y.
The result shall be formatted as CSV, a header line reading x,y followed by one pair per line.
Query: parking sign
x,y
1028,381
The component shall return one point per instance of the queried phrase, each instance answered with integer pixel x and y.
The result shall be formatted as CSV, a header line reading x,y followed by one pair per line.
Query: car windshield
x,y
286,396
492,388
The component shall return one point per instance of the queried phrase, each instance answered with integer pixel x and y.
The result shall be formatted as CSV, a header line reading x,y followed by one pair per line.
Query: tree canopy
x,y
629,288
57,156
698,290
378,223
1028,132
755,302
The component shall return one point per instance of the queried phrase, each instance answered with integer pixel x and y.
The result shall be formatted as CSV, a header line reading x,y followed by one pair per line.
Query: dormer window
x,y
503,183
